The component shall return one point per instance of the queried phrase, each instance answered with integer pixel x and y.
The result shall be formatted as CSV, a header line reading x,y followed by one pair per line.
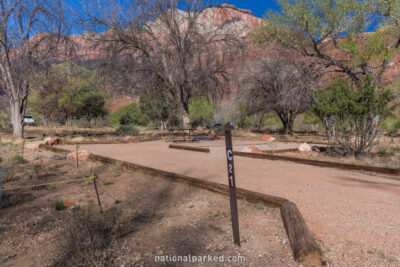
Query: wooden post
x,y
1,185
23,146
77,157
232,184
97,193
305,249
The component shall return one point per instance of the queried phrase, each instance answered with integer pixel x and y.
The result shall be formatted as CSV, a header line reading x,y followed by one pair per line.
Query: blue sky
x,y
258,7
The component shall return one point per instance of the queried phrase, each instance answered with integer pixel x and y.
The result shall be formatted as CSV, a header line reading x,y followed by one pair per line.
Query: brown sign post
x,y
232,184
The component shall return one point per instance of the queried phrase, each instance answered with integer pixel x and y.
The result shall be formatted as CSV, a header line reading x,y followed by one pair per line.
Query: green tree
x,y
70,92
201,110
127,115
246,119
330,31
350,115
92,104
159,106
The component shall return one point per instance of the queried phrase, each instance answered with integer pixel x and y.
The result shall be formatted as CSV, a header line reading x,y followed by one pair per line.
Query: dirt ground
x,y
353,215
165,218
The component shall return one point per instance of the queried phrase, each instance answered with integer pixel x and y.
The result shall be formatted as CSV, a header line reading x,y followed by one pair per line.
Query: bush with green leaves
x,y
201,111
37,118
59,205
17,159
129,129
392,123
67,92
129,114
5,123
352,116
246,119
310,119
157,103
220,130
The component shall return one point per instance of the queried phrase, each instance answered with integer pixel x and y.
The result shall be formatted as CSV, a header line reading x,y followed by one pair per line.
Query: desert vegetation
x,y
311,92
186,72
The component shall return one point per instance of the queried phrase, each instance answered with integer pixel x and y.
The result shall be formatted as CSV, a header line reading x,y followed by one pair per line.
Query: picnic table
x,y
181,132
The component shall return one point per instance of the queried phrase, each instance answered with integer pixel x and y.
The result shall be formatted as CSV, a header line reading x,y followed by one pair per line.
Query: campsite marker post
x,y
1,185
232,184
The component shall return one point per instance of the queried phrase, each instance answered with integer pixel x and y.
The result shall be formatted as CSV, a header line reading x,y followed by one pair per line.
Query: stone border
x,y
305,249
320,163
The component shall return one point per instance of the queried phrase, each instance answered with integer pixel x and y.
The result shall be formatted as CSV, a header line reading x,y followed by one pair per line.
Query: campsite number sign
x,y
232,185
230,167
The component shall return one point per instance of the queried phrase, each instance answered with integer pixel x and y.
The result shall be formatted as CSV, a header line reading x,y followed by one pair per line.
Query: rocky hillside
x,y
226,18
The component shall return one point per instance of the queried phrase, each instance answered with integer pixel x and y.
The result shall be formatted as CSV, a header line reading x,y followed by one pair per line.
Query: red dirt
x,y
181,219
354,216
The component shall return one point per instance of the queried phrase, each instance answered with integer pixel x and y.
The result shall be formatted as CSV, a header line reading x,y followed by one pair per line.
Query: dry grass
x,y
91,238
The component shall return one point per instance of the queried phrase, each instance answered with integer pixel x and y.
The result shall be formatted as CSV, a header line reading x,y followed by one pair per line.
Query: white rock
x,y
304,147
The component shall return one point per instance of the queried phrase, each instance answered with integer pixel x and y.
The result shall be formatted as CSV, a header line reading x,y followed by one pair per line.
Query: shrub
x,y
5,123
89,234
246,121
76,208
201,110
385,153
17,159
90,237
129,114
68,91
59,205
352,117
220,130
396,126
127,130
37,118
310,118
392,124
8,173
126,119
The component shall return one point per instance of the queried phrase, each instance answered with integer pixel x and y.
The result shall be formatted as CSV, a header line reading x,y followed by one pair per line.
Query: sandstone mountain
x,y
225,18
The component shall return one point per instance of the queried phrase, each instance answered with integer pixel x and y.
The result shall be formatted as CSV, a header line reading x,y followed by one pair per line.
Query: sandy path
x,y
354,215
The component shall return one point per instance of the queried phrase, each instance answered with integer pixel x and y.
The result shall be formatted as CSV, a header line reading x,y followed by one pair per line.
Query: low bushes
x,y
127,130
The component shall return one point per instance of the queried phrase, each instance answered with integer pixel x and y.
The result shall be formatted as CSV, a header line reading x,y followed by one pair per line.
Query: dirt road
x,y
355,216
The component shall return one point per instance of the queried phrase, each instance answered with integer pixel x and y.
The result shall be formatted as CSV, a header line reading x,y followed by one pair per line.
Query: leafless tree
x,y
173,40
282,84
30,34
227,111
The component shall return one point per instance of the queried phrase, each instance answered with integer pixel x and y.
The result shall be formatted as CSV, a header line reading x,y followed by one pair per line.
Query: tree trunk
x,y
290,124
287,121
17,119
284,120
164,124
186,119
